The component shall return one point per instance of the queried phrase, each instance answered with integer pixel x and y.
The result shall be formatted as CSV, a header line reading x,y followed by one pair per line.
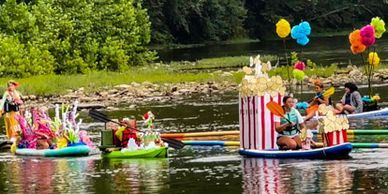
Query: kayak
x,y
79,150
376,113
370,114
151,153
332,152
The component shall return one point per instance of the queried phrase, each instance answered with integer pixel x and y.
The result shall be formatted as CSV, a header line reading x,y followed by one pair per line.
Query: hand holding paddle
x,y
99,116
277,110
329,92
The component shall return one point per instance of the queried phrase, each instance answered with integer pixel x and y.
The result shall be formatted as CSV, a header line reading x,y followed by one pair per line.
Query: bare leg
x,y
349,108
339,108
286,143
298,142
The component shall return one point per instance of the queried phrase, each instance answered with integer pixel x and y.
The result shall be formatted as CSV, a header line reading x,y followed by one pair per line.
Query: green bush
x,y
72,36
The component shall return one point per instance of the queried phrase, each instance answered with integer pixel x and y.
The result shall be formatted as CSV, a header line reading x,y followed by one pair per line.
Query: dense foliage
x,y
194,21
72,36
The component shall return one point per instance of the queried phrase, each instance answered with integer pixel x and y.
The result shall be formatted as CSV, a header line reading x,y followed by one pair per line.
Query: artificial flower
x,y
367,34
283,28
373,59
300,65
379,26
247,70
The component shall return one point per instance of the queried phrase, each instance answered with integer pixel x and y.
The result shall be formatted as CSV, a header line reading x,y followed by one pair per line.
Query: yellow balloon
x,y
373,59
283,28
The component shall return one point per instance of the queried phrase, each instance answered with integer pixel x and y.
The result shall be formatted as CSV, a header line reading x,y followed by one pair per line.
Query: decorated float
x,y
39,135
257,128
123,139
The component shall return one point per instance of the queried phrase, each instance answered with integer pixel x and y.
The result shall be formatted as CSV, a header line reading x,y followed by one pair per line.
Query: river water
x,y
324,51
199,169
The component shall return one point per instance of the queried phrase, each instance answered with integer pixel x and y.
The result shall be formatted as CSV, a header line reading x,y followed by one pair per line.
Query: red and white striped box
x,y
257,127
336,137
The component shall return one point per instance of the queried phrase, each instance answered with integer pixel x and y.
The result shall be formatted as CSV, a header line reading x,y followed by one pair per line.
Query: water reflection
x,y
135,175
43,175
261,176
295,176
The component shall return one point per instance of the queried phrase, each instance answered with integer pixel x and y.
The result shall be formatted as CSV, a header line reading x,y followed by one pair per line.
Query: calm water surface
x,y
323,51
196,170
200,169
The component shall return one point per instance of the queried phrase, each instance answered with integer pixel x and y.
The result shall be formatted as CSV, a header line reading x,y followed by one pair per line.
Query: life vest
x,y
10,106
128,134
292,116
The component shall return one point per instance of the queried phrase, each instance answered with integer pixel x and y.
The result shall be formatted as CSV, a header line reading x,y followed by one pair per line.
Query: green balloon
x,y
298,74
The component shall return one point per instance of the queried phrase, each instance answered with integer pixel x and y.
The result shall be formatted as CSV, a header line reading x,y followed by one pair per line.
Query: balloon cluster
x,y
301,32
298,32
365,37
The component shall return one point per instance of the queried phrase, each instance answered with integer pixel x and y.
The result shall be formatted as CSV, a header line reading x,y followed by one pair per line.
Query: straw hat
x,y
13,82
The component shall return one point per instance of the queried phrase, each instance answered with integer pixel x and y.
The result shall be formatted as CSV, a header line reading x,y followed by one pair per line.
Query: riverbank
x,y
167,82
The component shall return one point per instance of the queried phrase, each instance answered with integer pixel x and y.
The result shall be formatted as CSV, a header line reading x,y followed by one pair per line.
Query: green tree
x,y
73,36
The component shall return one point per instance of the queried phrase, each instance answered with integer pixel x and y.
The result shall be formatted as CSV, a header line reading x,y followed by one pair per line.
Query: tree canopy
x,y
72,36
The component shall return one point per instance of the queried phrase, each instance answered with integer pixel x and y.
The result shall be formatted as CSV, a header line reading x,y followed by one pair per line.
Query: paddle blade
x,y
329,92
312,108
275,108
176,144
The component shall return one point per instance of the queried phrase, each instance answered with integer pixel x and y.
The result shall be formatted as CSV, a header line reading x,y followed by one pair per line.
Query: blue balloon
x,y
303,40
305,28
302,105
295,32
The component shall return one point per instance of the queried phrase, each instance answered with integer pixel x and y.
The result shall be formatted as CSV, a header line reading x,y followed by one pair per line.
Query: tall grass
x,y
49,85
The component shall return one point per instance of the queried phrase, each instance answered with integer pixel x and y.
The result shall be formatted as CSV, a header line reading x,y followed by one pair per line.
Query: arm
x,y
280,128
324,101
3,101
358,99
343,99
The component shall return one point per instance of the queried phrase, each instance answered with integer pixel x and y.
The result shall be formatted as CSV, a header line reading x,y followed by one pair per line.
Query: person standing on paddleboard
x,y
10,107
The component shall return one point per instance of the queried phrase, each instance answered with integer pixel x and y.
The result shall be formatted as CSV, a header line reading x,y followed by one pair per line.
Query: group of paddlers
x,y
289,132
33,128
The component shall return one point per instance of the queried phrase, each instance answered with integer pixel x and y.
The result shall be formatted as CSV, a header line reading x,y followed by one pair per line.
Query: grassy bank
x,y
177,72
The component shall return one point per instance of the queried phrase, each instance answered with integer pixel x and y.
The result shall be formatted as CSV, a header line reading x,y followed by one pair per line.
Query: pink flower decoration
x,y
367,34
300,65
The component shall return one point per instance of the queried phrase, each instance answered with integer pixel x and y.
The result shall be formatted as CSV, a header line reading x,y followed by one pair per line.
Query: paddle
x,y
329,92
99,116
276,109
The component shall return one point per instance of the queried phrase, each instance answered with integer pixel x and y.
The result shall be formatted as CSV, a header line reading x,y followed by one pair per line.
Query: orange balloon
x,y
357,48
355,37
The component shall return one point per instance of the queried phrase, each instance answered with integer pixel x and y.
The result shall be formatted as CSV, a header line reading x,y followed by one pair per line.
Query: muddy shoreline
x,y
146,92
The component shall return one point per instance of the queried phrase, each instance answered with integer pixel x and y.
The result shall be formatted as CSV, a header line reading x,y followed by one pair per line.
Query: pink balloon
x,y
367,34
300,65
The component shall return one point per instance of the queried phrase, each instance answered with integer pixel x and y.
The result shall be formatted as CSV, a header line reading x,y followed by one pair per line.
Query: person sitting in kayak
x,y
318,99
351,102
289,130
126,132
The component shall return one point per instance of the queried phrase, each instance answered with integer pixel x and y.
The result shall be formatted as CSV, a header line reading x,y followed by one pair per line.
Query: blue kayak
x,y
332,152
79,150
